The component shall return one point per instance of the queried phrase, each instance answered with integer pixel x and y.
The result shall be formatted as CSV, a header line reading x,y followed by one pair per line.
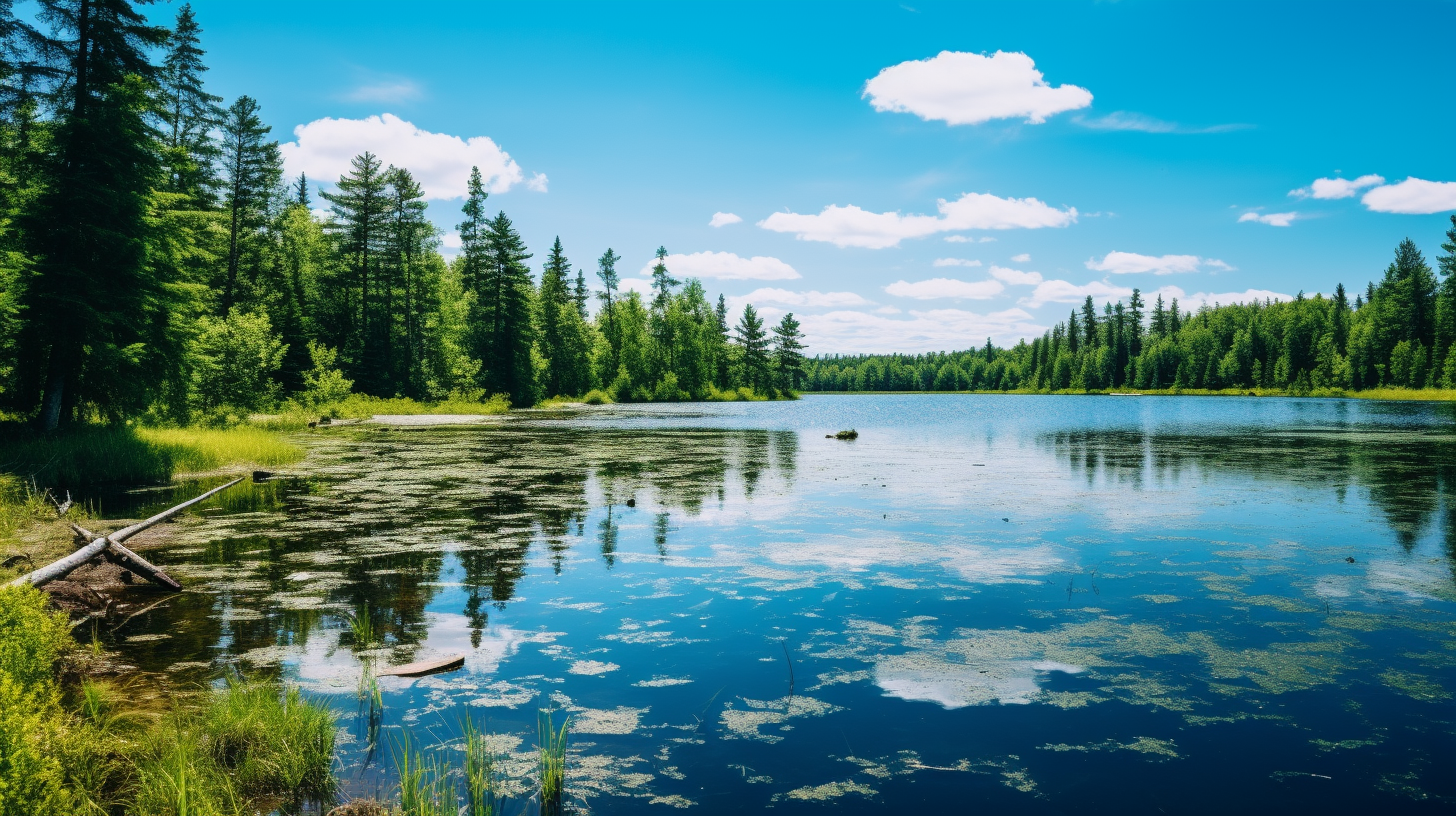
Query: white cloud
x,y
1125,263
946,288
1015,277
854,227
389,91
1022,258
537,182
806,300
1060,291
961,88
722,219
1127,120
726,266
954,262
1413,197
853,332
642,286
961,239
1272,219
1337,187
440,162
451,240
1197,299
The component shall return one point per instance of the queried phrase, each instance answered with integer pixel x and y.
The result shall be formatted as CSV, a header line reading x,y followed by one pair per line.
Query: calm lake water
x,y
985,603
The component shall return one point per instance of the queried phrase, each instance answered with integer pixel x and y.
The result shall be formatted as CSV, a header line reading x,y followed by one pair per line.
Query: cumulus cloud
x,y
722,219
642,286
1015,277
954,262
1337,187
854,227
1193,301
960,88
537,182
1022,258
726,266
856,332
1060,291
803,300
1125,263
961,239
440,162
1272,219
936,288
1413,197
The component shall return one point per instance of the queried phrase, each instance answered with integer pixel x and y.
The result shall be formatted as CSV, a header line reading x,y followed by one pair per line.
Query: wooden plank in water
x,y
443,664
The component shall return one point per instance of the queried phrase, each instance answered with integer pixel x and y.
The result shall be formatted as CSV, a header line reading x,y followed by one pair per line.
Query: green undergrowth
x,y
79,746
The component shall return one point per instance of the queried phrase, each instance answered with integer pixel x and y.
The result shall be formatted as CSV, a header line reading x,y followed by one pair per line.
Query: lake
x,y
984,603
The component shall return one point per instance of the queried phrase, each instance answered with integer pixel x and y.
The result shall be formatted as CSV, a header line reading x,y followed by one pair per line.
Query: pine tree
x,y
552,302
753,346
474,233
300,191
252,170
1445,322
788,352
1158,326
723,361
503,321
1089,323
607,274
579,295
189,113
403,272
91,298
361,210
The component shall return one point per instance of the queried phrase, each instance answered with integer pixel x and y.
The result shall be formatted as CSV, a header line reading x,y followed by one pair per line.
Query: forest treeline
x,y
154,261
1400,332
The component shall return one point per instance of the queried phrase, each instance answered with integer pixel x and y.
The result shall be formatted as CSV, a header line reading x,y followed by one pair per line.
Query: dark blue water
x,y
985,603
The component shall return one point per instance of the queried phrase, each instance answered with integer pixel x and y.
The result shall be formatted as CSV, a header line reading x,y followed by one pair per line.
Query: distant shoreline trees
x,y
1400,333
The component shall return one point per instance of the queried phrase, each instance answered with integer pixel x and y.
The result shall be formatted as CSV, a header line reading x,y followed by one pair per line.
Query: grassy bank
x,y
69,744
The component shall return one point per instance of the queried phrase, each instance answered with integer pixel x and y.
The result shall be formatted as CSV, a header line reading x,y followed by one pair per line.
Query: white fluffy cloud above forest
x,y
852,226
725,266
961,88
440,162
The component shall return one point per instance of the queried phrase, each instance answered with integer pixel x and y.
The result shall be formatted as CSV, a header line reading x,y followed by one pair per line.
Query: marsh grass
x,y
124,454
480,785
551,750
427,785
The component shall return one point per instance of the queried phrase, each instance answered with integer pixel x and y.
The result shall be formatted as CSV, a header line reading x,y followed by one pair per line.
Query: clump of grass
x,y
479,773
551,748
1405,394
193,450
425,784
272,743
597,396
847,434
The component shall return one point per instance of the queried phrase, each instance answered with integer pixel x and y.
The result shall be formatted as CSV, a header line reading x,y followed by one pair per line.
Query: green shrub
x,y
32,777
596,396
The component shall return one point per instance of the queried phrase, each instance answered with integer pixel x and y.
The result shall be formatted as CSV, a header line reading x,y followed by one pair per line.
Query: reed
x,y
272,742
551,748
480,783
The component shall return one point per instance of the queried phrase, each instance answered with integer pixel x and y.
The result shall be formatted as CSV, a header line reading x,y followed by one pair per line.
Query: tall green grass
x,y
122,454
551,750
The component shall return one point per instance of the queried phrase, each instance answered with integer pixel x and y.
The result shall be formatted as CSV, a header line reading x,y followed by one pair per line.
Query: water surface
x,y
1002,603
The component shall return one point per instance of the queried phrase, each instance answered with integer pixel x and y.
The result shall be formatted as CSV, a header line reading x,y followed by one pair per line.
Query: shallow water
x,y
1029,604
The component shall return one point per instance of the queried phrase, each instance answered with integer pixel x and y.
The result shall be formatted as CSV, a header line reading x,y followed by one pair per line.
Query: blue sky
x,y
1175,130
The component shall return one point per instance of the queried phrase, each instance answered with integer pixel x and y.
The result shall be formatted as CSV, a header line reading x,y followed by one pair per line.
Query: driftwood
x,y
128,560
65,566
424,667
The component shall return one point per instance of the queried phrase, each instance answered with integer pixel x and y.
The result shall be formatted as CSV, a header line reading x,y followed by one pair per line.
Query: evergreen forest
x,y
1399,333
155,263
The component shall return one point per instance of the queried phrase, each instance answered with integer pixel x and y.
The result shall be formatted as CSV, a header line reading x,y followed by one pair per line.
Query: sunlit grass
x,y
195,450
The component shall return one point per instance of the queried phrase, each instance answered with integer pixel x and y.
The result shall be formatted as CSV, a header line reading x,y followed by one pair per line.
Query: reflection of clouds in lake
x,y
974,563
935,678
1417,579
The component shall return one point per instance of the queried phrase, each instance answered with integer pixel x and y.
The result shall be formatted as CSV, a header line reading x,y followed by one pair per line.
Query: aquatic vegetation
x,y
551,748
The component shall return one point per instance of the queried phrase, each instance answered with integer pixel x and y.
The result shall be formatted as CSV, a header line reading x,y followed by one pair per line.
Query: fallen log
x,y
65,566
128,560
424,667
